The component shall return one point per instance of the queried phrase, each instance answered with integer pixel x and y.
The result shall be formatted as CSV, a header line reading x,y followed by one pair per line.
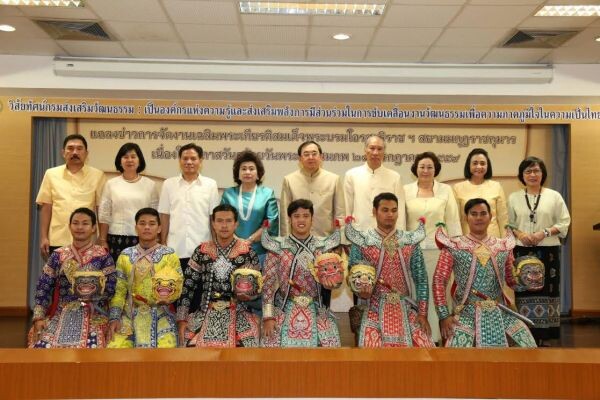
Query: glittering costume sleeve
x,y
118,301
253,261
331,242
109,270
419,274
355,256
441,277
270,284
46,286
172,263
191,281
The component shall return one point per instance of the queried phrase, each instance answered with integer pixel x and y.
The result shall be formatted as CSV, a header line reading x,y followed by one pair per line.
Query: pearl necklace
x,y
246,216
134,180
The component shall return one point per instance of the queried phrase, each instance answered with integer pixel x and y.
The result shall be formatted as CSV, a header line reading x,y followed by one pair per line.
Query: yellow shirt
x,y
494,194
324,189
66,192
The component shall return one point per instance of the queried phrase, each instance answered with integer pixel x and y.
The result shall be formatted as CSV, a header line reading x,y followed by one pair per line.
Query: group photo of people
x,y
129,262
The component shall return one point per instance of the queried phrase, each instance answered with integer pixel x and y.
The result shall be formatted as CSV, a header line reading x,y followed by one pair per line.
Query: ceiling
x,y
410,31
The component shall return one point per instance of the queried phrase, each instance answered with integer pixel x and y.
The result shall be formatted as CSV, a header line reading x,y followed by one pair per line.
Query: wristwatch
x,y
547,232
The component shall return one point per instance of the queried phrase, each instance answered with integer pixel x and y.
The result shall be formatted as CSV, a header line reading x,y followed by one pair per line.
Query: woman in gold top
x,y
478,184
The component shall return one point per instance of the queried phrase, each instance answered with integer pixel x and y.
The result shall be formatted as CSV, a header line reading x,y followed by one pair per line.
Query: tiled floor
x,y
575,332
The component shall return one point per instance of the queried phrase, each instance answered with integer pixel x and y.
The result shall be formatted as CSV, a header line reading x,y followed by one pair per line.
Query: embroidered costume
x,y
220,320
441,207
293,297
480,270
148,280
73,292
400,292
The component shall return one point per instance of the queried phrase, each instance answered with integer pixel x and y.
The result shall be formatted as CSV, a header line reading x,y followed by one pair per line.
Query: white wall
x,y
36,72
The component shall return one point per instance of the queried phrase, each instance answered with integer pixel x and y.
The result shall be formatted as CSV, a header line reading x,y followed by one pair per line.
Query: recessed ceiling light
x,y
7,28
276,7
569,11
43,3
597,39
341,36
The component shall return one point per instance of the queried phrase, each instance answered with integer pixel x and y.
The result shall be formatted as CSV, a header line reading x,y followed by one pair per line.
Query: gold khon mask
x,y
166,286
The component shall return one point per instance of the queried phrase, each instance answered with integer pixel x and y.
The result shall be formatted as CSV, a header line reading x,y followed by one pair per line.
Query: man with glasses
x,y
321,187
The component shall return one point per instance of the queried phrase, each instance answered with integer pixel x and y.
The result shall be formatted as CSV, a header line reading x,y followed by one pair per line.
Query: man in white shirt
x,y
186,203
321,187
363,183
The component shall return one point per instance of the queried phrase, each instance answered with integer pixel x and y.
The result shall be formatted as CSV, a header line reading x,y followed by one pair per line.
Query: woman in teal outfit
x,y
254,202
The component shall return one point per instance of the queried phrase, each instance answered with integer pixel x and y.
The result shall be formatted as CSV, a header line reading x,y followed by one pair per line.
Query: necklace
x,y
427,191
533,211
246,216
134,180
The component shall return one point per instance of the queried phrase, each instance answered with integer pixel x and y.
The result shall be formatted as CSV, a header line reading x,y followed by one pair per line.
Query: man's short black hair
x,y
147,211
224,207
191,146
303,145
300,203
384,196
74,136
86,211
473,202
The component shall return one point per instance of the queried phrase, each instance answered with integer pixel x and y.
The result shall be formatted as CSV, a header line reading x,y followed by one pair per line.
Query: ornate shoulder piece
x,y
240,247
209,248
354,236
413,237
442,240
330,242
271,243
166,250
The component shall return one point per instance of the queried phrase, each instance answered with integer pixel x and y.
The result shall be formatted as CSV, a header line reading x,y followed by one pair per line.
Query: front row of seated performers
x,y
82,300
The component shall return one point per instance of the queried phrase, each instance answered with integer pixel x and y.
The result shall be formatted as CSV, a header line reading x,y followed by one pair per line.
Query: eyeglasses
x,y
532,171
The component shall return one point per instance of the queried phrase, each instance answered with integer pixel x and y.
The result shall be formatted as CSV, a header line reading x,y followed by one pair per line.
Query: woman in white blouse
x,y
541,217
435,201
122,197
479,184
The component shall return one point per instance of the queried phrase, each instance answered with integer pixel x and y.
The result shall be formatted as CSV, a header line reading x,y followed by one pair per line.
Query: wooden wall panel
x,y
585,212
15,166
500,373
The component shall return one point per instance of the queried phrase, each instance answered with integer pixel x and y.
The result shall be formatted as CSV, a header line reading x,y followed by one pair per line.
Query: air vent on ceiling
x,y
74,30
539,39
